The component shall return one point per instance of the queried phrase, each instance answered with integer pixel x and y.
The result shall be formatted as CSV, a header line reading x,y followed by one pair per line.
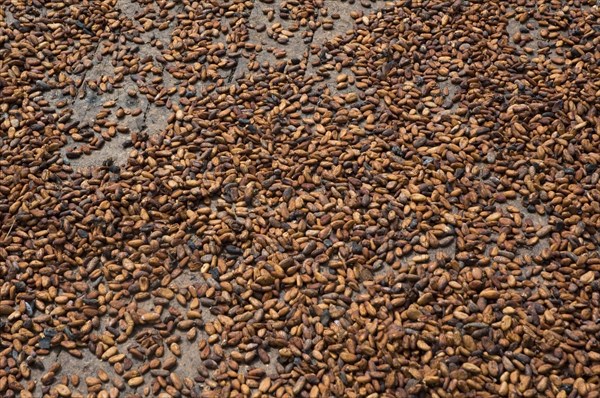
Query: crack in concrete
x,y
113,148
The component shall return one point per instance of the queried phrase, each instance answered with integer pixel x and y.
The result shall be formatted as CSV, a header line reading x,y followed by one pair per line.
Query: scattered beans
x,y
299,198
